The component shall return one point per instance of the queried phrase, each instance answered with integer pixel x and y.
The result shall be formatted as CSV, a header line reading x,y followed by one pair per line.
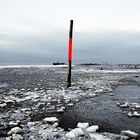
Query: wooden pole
x,y
70,54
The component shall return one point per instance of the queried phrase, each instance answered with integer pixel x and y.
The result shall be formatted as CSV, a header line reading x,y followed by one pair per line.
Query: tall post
x,y
70,54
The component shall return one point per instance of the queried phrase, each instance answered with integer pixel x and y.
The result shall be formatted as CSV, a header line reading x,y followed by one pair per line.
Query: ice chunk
x,y
71,135
9,101
55,130
111,94
124,137
61,110
55,124
3,105
96,136
23,89
129,133
31,124
12,123
9,138
137,106
25,109
125,104
50,119
136,114
92,128
130,114
70,104
35,89
75,133
15,130
78,132
82,125
63,107
48,104
17,137
49,98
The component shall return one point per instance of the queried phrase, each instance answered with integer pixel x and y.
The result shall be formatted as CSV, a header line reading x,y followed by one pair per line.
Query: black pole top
x,y
71,28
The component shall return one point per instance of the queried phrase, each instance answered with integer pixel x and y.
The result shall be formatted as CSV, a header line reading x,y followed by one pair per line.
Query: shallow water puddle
x,y
103,110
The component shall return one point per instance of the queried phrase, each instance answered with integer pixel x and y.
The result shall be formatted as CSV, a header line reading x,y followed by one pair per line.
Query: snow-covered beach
x,y
30,94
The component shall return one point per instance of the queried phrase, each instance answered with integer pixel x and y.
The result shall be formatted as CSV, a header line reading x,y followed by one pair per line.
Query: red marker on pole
x,y
70,54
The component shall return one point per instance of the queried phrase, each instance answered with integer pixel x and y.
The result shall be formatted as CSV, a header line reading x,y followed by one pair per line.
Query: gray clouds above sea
x,y
96,47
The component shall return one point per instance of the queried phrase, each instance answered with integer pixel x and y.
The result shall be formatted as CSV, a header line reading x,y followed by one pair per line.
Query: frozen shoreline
x,y
28,90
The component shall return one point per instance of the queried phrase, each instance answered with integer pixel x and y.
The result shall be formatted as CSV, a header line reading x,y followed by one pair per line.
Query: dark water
x,y
103,110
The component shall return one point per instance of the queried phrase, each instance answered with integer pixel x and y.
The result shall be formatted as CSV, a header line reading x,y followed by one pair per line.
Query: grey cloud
x,y
98,47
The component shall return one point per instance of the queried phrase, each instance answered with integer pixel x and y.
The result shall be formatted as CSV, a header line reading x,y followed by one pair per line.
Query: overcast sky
x,y
36,31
